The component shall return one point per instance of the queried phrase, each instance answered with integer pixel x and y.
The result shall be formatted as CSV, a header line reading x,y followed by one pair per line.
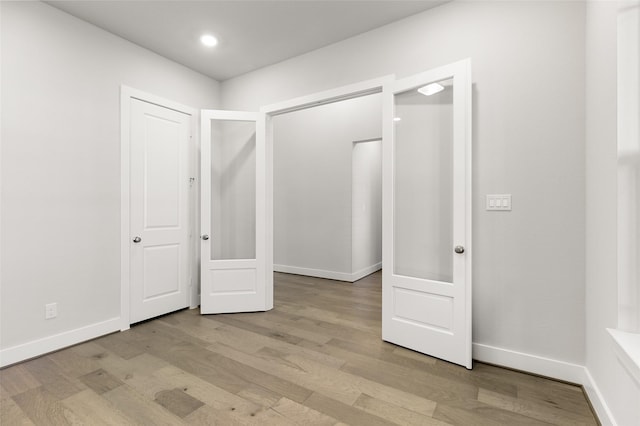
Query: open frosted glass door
x,y
427,214
235,276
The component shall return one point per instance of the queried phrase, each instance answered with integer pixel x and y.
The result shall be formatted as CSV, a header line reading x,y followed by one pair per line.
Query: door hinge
x,y
191,180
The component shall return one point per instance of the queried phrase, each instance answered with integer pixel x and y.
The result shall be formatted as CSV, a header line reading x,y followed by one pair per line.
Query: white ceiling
x,y
252,34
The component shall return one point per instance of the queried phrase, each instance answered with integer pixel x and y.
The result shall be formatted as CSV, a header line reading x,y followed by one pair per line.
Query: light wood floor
x,y
316,359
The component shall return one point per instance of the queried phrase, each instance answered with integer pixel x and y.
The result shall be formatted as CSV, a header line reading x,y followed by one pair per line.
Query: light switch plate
x,y
499,202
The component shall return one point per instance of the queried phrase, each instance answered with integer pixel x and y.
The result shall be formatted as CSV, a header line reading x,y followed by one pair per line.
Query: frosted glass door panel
x,y
233,189
423,184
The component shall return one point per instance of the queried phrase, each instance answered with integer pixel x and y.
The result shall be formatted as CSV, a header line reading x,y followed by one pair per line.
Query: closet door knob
x,y
205,237
137,240
459,249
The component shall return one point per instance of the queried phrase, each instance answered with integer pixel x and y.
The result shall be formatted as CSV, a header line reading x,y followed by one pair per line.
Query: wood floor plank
x,y
314,379
120,344
401,357
259,329
191,358
482,415
218,398
284,324
392,395
222,407
178,402
4,394
330,382
72,363
100,381
259,395
410,381
301,414
343,412
136,406
569,399
394,413
44,369
92,409
251,342
43,409
141,365
12,414
17,379
534,409
208,416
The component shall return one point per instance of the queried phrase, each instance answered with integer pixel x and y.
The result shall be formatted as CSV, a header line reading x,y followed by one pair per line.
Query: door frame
x,y
126,95
383,85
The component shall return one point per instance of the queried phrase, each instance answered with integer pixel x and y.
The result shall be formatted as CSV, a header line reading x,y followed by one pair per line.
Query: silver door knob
x,y
137,240
459,249
205,237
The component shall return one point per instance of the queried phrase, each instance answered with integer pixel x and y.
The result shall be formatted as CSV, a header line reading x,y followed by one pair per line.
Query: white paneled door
x,y
426,289
235,273
159,217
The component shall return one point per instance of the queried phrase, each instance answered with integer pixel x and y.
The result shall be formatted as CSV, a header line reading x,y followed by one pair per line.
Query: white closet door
x,y
159,224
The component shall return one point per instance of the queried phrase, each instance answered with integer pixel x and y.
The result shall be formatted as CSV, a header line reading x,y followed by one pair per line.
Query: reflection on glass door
x,y
423,184
233,189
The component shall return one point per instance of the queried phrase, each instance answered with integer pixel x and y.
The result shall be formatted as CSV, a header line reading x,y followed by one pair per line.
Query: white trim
x,y
330,275
227,115
627,349
355,276
597,401
58,341
126,94
535,364
350,91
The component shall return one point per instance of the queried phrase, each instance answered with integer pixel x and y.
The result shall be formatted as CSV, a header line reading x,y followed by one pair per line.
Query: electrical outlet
x,y
50,310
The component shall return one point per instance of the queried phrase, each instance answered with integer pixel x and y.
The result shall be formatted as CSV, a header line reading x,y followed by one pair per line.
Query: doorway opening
x,y
327,187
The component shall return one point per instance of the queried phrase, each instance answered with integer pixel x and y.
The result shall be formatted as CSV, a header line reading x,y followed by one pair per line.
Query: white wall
x,y
312,184
60,243
366,207
619,392
528,140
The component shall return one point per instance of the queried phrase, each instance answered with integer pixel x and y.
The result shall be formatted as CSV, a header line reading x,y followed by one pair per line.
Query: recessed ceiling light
x,y
431,89
208,40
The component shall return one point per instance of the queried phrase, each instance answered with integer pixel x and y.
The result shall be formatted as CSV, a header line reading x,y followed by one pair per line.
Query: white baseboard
x,y
331,275
48,344
542,366
553,368
597,401
366,271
